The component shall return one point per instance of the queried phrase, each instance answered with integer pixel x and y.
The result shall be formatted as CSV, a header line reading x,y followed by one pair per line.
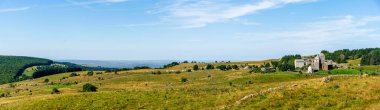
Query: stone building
x,y
316,64
299,63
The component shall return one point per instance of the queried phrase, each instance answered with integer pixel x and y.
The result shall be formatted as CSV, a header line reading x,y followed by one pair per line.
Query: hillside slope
x,y
209,89
13,66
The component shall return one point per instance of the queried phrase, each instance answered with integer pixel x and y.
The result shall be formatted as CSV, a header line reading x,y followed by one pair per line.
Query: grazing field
x,y
342,93
29,71
204,89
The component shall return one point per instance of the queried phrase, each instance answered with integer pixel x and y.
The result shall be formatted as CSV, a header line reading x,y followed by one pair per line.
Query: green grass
x,y
345,71
341,72
207,89
29,71
270,77
58,86
342,93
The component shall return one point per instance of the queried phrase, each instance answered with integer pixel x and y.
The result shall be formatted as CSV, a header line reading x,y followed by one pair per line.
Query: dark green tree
x,y
89,88
55,91
195,67
209,67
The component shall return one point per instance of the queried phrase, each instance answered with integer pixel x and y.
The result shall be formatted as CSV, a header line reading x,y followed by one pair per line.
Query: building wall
x,y
318,63
299,64
327,67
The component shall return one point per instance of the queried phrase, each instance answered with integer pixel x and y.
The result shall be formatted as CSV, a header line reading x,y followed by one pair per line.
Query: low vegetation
x,y
269,84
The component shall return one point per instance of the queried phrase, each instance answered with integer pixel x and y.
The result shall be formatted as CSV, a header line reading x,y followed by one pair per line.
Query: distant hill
x,y
12,66
121,63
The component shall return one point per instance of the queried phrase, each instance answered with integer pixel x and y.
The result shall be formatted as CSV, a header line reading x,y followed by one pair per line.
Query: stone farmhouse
x,y
316,64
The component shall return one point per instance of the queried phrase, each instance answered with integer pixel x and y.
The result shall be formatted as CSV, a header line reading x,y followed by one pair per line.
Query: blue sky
x,y
185,29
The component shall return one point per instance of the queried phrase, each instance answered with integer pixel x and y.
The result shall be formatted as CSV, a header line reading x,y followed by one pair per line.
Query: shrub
x,y
99,72
55,91
374,74
89,88
141,67
224,67
90,73
158,72
209,67
195,67
7,94
74,74
184,80
46,80
173,64
178,72
235,67
64,78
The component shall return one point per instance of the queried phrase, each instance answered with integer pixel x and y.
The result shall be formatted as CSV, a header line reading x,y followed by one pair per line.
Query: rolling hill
x,y
203,89
13,66
120,63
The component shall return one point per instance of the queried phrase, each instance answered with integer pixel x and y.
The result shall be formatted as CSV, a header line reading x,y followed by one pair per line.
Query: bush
x,y
209,67
90,73
89,88
64,78
195,67
141,67
46,80
184,80
12,85
55,91
224,67
158,72
99,72
235,67
178,72
173,64
74,74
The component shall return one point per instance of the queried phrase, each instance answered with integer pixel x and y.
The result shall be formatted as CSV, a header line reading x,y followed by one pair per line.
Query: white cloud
x,y
115,1
90,2
14,9
328,32
199,13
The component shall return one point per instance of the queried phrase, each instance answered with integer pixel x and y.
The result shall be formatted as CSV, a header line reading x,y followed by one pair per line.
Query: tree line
x,y
341,56
11,67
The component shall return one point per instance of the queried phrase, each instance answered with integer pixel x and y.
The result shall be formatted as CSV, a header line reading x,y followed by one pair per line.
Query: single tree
x,y
55,91
89,88
46,80
195,67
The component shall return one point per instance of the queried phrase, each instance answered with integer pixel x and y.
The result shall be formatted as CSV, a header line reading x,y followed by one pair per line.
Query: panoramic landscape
x,y
189,54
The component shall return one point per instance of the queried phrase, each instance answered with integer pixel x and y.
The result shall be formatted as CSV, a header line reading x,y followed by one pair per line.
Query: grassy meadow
x,y
203,89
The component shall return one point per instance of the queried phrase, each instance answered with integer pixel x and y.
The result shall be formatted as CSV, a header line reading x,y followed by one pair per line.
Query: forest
x,y
369,56
12,66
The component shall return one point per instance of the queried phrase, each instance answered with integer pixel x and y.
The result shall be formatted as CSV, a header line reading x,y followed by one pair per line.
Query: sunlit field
x,y
203,89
